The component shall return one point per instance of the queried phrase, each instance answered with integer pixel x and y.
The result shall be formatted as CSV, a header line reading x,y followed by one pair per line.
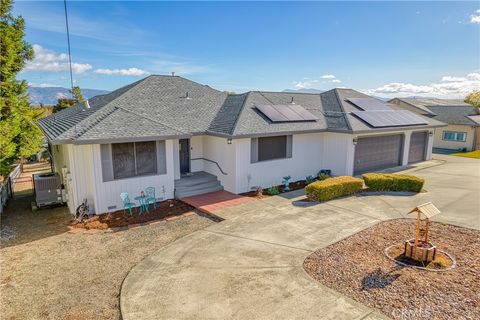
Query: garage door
x,y
418,144
374,153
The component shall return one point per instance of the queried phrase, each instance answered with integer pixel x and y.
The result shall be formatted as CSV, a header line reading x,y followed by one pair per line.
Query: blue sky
x,y
383,48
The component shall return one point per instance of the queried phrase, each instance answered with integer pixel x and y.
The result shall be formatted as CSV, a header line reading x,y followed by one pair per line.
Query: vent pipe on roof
x,y
186,96
292,102
87,105
173,74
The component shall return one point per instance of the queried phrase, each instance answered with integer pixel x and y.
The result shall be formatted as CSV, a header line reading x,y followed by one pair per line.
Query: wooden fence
x,y
7,187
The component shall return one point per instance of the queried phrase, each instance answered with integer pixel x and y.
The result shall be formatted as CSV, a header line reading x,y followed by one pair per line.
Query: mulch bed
x,y
296,185
164,210
358,268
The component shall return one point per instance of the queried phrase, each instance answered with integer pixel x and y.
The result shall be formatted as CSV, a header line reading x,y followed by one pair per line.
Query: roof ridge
x,y
247,94
335,90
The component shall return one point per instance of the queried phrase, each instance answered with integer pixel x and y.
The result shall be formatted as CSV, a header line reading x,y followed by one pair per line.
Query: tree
x,y
77,97
473,99
77,94
19,135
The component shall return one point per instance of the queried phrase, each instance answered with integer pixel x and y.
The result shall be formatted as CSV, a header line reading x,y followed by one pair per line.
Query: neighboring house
x,y
180,137
463,130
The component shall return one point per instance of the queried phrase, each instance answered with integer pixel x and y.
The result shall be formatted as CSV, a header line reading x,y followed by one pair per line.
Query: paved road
x,y
250,265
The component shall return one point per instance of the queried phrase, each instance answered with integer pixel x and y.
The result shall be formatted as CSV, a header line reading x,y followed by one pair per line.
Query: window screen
x,y
272,148
123,159
133,159
146,157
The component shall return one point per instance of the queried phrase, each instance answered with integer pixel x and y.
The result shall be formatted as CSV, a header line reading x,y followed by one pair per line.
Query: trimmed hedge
x,y
332,188
393,182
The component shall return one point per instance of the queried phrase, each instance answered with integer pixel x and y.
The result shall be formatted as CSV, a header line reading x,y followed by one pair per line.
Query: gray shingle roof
x,y
454,115
450,111
172,107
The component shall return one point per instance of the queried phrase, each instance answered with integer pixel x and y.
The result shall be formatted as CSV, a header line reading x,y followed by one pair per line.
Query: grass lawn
x,y
49,272
472,154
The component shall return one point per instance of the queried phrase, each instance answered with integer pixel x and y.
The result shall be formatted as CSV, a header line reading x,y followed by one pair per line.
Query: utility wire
x,y
68,42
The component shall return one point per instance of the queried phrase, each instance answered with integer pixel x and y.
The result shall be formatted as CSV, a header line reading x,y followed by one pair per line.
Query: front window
x,y
270,148
134,159
454,136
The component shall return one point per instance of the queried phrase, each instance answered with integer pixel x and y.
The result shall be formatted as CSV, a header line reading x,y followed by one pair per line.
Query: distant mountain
x,y
50,95
303,90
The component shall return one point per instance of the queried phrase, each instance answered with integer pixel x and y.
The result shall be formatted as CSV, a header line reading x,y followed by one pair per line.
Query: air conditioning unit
x,y
47,188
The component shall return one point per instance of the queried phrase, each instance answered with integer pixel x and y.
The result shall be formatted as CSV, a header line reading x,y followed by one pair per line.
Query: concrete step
x,y
184,194
197,183
195,179
198,186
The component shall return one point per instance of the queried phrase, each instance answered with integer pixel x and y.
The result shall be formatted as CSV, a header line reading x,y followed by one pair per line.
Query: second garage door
x,y
418,143
374,153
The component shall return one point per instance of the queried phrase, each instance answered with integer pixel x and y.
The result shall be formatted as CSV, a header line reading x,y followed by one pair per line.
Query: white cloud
x,y
49,61
475,18
328,76
309,83
448,87
123,72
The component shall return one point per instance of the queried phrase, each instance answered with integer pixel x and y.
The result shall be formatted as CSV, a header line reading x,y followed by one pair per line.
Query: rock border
x,y
453,266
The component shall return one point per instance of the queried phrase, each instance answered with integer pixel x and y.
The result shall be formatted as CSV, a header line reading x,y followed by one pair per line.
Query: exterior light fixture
x,y
229,141
355,140
430,133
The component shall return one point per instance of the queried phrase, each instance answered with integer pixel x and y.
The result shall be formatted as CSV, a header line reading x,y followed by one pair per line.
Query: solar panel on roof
x,y
390,118
271,113
286,113
370,104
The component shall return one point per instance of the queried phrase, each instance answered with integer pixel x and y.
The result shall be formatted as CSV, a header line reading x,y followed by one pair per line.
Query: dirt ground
x,y
49,272
358,268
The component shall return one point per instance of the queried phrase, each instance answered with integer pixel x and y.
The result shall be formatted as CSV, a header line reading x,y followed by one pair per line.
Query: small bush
x,y
333,188
393,182
273,191
323,176
309,179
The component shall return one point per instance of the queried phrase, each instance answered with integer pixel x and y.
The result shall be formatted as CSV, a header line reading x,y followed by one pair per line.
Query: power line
x,y
68,42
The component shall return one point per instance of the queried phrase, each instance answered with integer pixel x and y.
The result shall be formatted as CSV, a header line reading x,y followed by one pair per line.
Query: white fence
x,y
7,187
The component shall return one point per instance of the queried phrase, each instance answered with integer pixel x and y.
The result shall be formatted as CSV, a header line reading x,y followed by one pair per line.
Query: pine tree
x,y
19,135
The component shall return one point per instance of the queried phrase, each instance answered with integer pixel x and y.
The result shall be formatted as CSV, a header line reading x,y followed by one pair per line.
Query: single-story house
x,y
186,138
463,120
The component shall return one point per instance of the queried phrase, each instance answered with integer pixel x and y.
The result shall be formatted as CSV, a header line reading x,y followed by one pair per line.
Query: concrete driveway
x,y
250,265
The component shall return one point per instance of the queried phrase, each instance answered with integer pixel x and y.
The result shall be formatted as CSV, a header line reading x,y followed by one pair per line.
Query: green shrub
x,y
332,188
393,182
273,191
323,176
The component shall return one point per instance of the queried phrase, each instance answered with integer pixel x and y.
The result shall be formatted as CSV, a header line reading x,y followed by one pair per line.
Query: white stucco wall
x,y
82,176
338,153
307,159
108,193
454,145
196,151
217,149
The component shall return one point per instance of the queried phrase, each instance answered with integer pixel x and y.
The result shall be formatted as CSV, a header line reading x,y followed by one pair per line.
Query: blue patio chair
x,y
150,194
126,202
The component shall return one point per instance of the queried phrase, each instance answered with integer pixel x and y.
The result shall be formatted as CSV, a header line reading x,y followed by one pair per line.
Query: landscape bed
x,y
121,218
358,268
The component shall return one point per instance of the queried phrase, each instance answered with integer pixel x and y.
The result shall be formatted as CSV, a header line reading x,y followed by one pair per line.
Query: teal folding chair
x,y
150,195
126,202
